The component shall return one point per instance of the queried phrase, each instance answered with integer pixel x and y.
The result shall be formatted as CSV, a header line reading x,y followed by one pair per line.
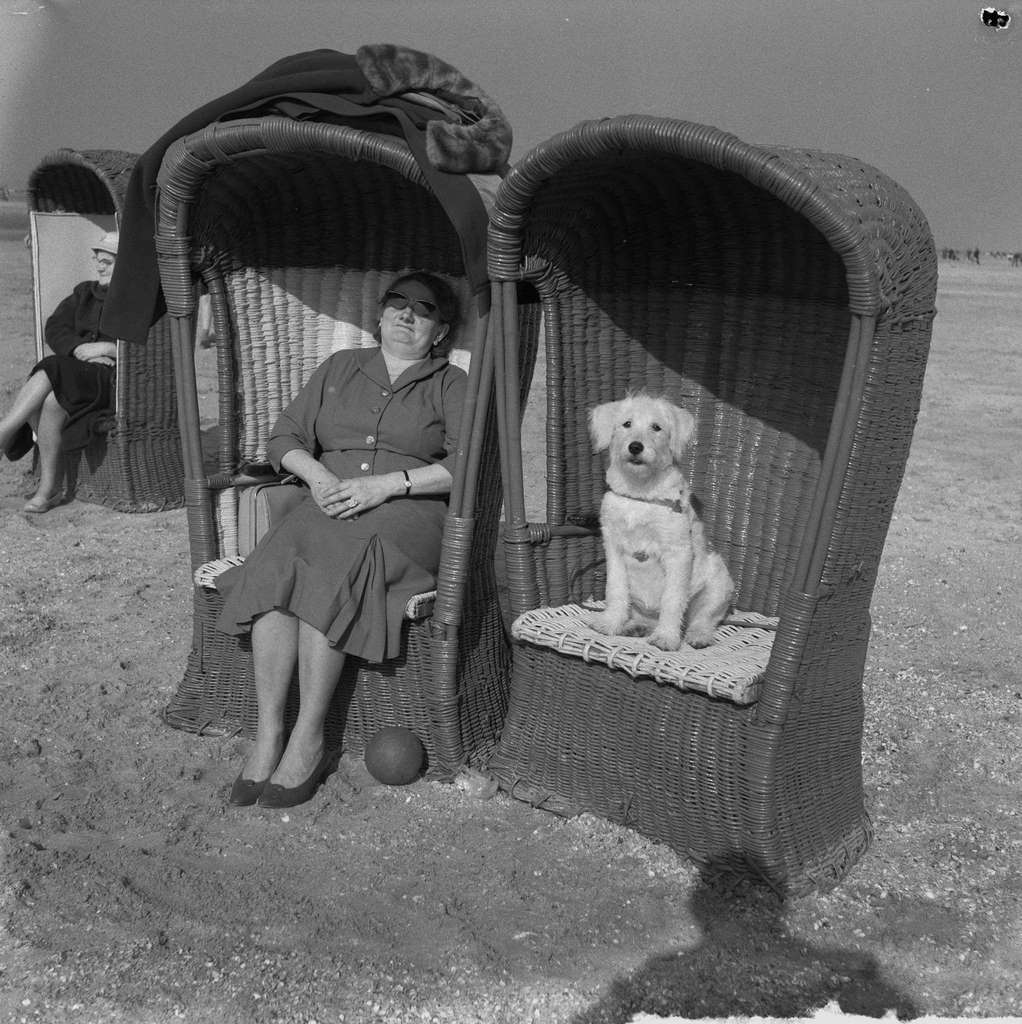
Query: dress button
x,y
375,409
370,439
384,393
364,467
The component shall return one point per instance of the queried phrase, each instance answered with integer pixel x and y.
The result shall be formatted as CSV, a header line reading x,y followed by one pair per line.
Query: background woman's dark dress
x,y
84,390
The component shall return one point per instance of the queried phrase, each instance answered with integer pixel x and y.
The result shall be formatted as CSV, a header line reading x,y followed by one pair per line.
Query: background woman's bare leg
x,y
27,404
49,425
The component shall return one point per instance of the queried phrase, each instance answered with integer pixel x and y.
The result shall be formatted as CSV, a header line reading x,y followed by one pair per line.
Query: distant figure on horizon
x,y
66,394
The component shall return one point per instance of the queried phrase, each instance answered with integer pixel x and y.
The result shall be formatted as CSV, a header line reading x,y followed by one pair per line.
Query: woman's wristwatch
x,y
408,482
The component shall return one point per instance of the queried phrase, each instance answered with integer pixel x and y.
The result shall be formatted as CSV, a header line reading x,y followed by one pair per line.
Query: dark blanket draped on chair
x,y
451,126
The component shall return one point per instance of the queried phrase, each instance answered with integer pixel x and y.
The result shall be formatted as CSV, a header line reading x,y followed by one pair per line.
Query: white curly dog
x,y
661,571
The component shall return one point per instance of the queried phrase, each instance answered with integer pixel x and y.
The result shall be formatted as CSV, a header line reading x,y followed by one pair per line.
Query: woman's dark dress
x,y
351,579
85,390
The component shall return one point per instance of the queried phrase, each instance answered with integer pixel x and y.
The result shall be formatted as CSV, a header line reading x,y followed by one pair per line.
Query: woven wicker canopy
x,y
295,227
86,181
785,298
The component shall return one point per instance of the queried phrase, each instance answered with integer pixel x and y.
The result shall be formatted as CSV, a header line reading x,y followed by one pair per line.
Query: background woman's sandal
x,y
42,504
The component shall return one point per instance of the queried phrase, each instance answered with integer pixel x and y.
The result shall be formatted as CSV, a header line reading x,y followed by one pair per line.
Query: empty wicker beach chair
x,y
296,227
785,298
135,465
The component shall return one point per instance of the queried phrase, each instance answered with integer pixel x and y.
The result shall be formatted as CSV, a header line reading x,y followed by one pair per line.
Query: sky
x,y
921,89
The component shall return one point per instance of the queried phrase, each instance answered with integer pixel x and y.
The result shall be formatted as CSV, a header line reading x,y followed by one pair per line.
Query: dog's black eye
x,y
626,424
656,427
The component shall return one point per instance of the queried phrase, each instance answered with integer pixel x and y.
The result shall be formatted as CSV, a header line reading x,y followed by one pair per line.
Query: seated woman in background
x,y
66,393
374,436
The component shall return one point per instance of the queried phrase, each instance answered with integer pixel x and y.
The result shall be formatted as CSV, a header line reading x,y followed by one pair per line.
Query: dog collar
x,y
675,506
686,503
678,505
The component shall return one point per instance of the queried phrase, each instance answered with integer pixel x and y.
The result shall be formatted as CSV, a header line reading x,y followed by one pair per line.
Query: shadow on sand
x,y
748,965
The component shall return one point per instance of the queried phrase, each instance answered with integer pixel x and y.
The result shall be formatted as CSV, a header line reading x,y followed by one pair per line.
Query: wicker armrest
x,y
731,668
418,607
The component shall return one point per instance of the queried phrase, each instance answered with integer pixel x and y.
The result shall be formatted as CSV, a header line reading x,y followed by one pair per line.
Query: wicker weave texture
x,y
750,347
785,298
80,181
681,768
731,668
134,464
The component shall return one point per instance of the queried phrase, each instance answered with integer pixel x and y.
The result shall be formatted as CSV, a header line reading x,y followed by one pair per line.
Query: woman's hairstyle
x,y
447,304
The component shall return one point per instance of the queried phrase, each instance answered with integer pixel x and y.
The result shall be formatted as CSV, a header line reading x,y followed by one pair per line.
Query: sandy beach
x,y
129,892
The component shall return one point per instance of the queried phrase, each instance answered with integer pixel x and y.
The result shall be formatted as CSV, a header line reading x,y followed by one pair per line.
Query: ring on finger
x,y
352,503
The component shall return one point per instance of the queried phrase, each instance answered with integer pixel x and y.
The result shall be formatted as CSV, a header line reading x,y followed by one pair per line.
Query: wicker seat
x,y
296,227
785,298
134,464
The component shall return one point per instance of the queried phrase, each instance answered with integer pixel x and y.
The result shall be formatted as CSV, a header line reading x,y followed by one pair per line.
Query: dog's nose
x,y
635,448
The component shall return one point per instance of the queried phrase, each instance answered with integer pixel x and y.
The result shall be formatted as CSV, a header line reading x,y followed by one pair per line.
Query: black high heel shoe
x,y
291,796
245,792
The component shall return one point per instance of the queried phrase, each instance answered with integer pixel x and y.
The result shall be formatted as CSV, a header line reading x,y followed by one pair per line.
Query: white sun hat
x,y
108,243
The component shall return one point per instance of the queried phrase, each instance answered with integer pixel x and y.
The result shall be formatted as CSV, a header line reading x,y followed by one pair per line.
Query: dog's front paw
x,y
700,637
665,639
604,622
635,627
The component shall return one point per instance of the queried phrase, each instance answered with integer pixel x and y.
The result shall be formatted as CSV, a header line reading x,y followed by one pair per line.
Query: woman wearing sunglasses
x,y
68,394
374,437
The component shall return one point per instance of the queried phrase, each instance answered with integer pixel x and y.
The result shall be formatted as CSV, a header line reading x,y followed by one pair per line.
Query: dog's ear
x,y
602,419
682,430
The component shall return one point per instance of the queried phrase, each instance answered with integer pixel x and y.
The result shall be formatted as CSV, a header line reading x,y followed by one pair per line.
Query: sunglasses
x,y
420,307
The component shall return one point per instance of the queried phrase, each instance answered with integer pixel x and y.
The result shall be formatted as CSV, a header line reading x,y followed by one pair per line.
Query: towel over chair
x,y
785,298
133,464
296,225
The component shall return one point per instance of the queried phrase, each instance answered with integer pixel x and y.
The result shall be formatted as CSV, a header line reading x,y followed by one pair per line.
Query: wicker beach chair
x,y
134,465
785,298
295,228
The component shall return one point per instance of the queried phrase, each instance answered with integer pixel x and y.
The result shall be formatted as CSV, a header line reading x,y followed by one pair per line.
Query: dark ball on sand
x,y
395,756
